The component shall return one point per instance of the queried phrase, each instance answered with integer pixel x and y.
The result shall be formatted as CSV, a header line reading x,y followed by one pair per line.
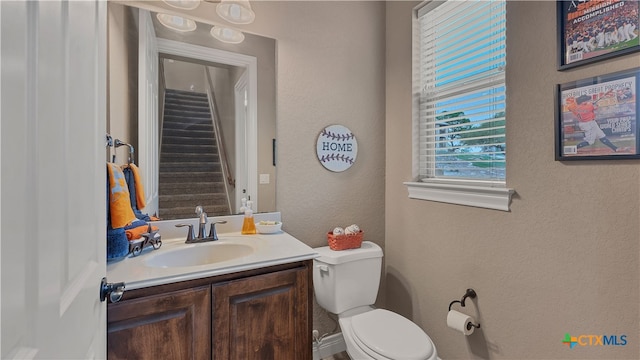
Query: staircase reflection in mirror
x,y
190,161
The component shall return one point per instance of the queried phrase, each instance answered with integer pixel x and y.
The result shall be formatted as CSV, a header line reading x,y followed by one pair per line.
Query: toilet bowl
x,y
382,335
346,283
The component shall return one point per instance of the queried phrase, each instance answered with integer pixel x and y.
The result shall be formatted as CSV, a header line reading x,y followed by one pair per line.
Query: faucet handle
x,y
190,235
212,230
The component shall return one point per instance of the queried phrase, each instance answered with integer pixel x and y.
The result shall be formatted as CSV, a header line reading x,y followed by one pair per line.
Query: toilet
x,y
346,284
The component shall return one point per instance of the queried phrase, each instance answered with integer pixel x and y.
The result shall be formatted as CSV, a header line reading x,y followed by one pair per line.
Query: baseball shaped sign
x,y
337,148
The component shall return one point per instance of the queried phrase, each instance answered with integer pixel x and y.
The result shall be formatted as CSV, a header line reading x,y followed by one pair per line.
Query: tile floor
x,y
339,356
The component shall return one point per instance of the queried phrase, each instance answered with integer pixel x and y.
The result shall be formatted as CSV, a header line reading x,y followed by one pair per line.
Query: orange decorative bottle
x,y
248,226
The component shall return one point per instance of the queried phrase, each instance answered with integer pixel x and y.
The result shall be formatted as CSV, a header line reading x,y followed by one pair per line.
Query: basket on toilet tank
x,y
345,241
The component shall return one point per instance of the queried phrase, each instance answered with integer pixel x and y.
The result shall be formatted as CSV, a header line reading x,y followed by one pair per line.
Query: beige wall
x,y
330,70
123,77
565,259
330,66
185,76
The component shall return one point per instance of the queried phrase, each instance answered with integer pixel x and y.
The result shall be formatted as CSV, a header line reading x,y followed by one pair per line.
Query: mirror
x,y
189,77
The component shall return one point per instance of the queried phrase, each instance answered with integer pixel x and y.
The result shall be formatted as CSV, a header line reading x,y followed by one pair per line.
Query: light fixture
x,y
183,4
236,11
176,23
228,35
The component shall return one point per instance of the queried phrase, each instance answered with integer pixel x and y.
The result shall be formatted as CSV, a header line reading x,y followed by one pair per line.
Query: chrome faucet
x,y
202,225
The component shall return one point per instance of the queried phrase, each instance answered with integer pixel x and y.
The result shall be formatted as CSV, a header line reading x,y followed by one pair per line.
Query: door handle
x,y
113,290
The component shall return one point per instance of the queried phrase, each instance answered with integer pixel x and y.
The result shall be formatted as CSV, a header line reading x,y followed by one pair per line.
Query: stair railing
x,y
224,161
161,94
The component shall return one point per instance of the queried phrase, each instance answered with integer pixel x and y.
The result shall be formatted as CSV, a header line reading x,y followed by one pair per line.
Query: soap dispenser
x,y
244,205
248,226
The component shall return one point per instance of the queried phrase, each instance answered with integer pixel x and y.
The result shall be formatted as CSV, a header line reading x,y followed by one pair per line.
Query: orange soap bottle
x,y
248,225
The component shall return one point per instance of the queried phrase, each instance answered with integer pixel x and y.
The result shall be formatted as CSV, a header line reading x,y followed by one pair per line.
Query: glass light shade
x,y
236,11
183,4
228,35
176,23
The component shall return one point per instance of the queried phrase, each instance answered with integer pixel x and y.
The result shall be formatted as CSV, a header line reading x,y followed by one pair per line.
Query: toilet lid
x,y
391,335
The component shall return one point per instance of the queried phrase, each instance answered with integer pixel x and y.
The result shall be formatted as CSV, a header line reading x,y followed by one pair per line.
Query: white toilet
x,y
346,283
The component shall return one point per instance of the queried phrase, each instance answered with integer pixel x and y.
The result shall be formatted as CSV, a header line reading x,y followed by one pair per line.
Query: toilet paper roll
x,y
458,321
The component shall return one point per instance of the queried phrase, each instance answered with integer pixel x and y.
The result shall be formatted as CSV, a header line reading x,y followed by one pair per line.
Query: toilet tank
x,y
346,279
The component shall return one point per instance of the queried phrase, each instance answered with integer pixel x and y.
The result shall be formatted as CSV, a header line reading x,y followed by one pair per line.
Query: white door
x,y
148,124
52,179
242,161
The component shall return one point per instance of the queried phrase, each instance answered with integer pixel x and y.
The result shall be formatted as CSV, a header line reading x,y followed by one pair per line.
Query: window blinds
x,y
462,98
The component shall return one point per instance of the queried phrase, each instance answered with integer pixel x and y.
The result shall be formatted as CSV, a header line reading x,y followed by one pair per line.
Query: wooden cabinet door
x,y
264,317
174,325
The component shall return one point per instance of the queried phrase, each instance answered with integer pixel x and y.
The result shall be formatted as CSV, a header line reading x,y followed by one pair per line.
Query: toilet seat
x,y
383,335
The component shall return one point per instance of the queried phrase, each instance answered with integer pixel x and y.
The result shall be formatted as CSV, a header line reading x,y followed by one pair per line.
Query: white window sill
x,y
497,198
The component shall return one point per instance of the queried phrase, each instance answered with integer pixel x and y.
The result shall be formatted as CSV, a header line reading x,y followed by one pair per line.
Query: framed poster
x,y
597,118
594,30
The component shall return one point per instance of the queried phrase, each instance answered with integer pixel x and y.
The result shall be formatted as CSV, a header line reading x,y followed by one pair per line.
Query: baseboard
x,y
330,345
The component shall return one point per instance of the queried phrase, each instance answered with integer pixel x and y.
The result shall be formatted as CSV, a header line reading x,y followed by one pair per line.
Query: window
x,y
461,108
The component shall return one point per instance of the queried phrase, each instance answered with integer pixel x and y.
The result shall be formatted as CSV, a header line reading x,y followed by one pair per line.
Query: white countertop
x,y
270,249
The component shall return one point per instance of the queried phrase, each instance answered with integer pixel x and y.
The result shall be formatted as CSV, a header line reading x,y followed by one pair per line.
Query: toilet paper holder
x,y
470,293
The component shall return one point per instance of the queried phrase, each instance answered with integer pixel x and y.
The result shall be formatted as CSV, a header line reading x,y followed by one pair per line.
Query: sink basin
x,y
199,254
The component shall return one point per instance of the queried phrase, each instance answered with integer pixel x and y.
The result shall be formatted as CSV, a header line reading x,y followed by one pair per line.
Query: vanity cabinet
x,y
262,317
258,314
173,325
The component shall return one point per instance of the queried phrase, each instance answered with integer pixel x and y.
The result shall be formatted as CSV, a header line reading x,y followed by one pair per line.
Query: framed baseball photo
x,y
597,118
594,30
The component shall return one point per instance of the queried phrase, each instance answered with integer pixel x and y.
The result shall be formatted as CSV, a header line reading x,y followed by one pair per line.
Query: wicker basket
x,y
344,242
